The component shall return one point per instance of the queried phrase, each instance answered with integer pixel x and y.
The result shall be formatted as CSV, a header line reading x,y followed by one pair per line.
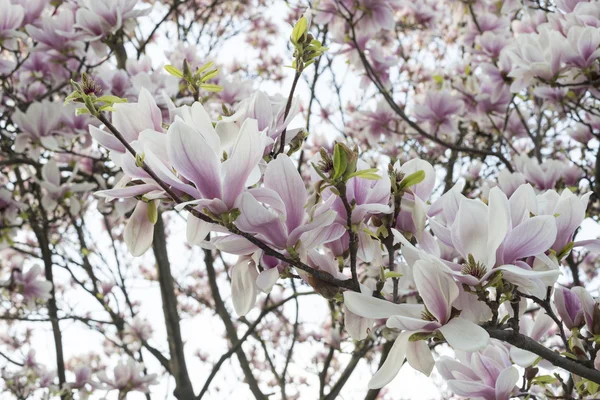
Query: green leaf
x,y
299,30
412,179
438,79
204,68
210,75
152,212
544,379
107,108
72,96
174,71
111,99
392,274
211,88
340,161
370,174
81,111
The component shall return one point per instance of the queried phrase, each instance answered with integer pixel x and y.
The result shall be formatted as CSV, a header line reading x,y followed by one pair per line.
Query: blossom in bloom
x,y
55,190
128,377
97,19
31,287
439,109
38,124
269,113
487,374
439,292
543,175
496,237
11,20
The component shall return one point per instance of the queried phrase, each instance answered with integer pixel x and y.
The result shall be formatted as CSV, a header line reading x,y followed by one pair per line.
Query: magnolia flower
x,y
584,43
439,292
57,32
590,308
496,237
31,287
376,15
33,9
369,197
568,210
38,124
536,55
56,190
128,377
275,213
486,374
545,175
139,231
269,113
195,150
11,20
101,18
439,109
568,307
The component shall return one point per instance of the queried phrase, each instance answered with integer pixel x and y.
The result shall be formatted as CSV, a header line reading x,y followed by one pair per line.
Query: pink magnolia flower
x,y
101,18
56,190
375,15
536,55
568,210
128,377
11,20
439,110
38,124
440,293
413,208
486,374
268,111
544,175
496,237
568,307
584,42
31,287
57,32
33,9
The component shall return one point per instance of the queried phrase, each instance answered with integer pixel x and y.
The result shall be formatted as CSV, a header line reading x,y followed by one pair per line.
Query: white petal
x,y
197,230
465,335
243,286
393,362
419,357
139,230
506,383
267,279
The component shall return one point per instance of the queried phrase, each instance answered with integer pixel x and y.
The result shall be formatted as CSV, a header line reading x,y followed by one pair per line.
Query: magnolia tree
x,y
423,178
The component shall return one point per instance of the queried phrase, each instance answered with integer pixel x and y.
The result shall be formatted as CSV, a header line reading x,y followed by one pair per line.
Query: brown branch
x,y
230,329
183,385
585,370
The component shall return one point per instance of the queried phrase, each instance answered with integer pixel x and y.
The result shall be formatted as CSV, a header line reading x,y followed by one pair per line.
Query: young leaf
x,y
299,30
173,71
412,179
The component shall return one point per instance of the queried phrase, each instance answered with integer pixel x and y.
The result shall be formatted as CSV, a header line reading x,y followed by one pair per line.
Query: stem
x,y
288,105
183,385
526,343
229,328
353,242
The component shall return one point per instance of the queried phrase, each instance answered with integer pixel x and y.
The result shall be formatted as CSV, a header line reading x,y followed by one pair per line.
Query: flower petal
x,y
393,362
243,286
465,335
